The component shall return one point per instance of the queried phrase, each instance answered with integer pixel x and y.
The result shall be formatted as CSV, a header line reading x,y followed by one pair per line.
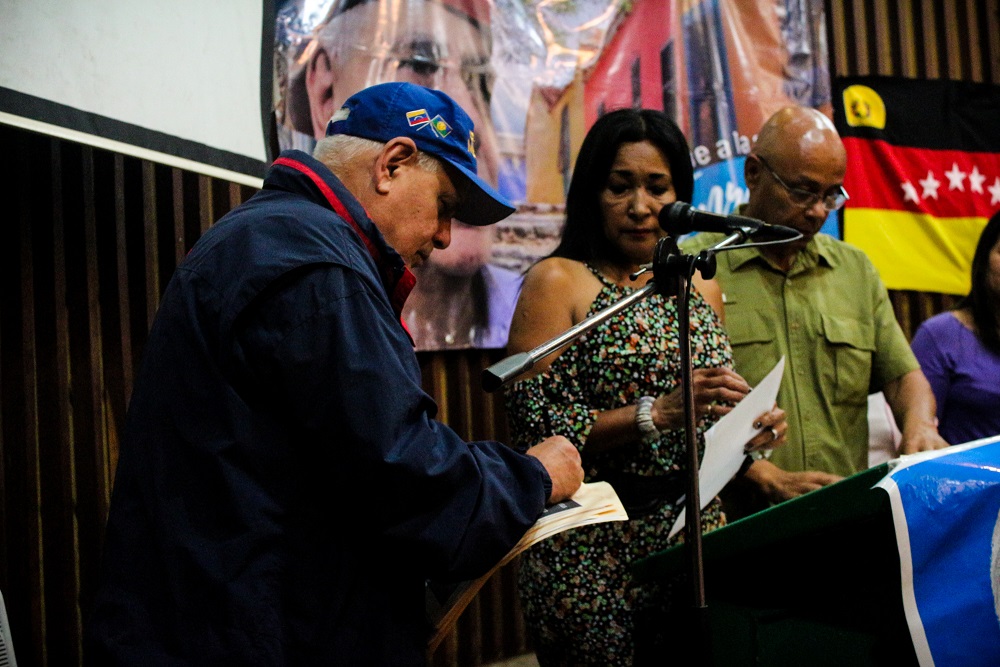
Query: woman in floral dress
x,y
615,392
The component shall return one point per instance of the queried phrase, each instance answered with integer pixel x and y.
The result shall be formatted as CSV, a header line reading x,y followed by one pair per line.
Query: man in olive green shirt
x,y
819,303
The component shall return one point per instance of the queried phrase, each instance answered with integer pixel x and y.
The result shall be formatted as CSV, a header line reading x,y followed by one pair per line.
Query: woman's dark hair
x,y
981,300
583,236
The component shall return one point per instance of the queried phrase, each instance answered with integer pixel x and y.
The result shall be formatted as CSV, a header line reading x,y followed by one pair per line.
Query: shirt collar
x,y
298,172
818,252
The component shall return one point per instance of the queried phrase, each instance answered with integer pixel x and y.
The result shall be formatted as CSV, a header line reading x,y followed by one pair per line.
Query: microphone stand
x,y
672,271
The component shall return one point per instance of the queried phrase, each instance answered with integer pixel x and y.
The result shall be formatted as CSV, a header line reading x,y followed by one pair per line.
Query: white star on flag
x,y
976,181
955,178
930,185
995,191
909,192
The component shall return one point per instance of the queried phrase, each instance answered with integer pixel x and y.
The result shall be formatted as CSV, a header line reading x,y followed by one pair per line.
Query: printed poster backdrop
x,y
535,75
923,172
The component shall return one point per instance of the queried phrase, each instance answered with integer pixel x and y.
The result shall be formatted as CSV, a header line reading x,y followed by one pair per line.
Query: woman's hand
x,y
773,426
716,391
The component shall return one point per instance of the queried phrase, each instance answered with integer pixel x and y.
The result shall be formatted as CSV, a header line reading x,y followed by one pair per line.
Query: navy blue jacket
x,y
283,490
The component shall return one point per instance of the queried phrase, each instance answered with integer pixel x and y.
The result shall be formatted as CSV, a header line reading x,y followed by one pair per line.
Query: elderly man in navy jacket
x,y
283,490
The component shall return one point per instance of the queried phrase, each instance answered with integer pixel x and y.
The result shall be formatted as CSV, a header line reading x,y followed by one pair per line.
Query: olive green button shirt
x,y
831,318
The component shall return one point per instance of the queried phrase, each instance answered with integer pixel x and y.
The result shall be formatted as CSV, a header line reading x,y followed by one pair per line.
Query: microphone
x,y
681,218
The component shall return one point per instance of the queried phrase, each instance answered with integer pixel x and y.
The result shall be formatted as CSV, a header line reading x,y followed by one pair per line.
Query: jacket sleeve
x,y
329,359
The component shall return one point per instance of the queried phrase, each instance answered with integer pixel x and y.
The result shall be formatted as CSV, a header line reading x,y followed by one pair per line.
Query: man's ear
x,y
396,154
319,88
751,171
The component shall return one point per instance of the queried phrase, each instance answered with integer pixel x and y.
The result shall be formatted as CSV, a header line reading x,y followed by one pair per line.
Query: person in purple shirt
x,y
959,350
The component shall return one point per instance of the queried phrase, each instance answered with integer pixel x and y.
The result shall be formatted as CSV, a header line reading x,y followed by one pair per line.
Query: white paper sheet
x,y
724,442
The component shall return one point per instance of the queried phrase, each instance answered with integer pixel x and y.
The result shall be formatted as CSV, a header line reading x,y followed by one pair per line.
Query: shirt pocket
x,y
752,337
851,344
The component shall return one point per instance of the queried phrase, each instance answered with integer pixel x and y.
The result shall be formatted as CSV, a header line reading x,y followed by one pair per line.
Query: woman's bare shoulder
x,y
557,281
555,272
554,292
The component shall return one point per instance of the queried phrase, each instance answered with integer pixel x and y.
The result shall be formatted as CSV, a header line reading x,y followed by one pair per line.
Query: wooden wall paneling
x,y
221,192
905,43
118,317
515,630
446,654
59,556
151,264
841,57
463,417
862,38
8,284
952,24
971,35
929,48
490,405
179,234
237,194
919,37
493,616
901,307
492,627
469,631
912,308
205,204
87,389
26,177
937,36
168,248
502,621
195,221
989,20
433,374
131,205
10,305
883,39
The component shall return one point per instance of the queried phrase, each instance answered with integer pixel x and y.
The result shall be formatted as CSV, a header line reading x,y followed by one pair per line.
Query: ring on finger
x,y
711,409
774,434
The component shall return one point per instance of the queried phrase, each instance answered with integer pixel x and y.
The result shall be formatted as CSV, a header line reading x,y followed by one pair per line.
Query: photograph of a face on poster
x,y
534,75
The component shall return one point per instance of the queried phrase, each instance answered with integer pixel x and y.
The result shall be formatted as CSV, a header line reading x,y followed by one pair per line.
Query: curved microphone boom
x,y
681,218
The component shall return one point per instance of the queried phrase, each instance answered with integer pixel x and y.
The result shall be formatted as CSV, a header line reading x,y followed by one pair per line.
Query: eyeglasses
x,y
422,61
806,199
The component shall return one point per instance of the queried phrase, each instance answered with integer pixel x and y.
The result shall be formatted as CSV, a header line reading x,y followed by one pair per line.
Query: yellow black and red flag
x,y
923,174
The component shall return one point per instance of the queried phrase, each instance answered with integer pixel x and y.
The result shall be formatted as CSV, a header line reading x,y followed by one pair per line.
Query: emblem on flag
x,y
863,107
417,117
440,127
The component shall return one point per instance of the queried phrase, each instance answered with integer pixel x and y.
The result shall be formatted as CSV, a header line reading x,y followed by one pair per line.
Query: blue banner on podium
x,y
946,513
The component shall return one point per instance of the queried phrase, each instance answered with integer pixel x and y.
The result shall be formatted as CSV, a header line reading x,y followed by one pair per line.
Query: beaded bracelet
x,y
644,418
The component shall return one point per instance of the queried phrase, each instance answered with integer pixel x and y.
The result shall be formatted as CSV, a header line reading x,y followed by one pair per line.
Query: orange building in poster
x,y
630,71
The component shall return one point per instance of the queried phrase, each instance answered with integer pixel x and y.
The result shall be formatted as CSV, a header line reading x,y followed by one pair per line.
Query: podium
x,y
812,581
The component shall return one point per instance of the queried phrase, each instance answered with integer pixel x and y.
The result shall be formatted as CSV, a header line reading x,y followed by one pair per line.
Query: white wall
x,y
186,68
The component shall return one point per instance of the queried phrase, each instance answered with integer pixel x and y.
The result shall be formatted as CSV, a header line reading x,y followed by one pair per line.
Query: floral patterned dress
x,y
576,587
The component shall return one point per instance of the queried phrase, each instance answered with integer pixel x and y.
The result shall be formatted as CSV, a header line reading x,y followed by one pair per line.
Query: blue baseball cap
x,y
437,125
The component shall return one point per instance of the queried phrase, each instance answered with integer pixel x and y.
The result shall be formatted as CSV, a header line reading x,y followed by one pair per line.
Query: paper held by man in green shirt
x,y
831,317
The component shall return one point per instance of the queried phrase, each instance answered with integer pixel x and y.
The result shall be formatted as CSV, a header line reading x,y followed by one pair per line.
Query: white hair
x,y
340,150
